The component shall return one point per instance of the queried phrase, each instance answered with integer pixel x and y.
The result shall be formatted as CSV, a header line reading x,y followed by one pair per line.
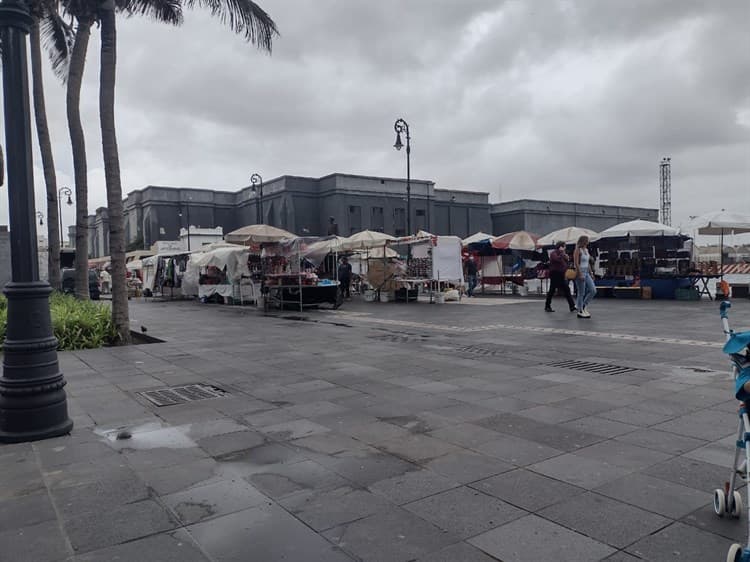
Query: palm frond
x,y
57,38
164,11
244,17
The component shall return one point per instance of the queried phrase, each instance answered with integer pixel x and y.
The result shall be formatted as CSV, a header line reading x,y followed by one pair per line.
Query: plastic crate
x,y
687,294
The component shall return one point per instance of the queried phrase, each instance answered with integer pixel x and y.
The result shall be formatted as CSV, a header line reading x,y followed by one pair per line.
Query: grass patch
x,y
76,324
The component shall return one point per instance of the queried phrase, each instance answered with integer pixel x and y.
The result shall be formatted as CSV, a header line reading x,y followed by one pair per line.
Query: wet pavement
x,y
486,430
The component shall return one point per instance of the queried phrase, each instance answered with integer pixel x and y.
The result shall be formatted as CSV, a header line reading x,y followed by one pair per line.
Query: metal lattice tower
x,y
665,188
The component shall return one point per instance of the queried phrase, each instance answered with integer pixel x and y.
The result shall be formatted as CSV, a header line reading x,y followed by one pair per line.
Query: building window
x,y
420,212
377,222
399,221
355,219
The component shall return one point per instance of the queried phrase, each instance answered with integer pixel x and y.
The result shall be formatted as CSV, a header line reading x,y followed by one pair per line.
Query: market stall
x,y
432,263
162,274
644,259
506,261
717,223
224,275
289,278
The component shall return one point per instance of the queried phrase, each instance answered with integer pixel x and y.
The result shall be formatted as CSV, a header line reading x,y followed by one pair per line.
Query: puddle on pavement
x,y
150,435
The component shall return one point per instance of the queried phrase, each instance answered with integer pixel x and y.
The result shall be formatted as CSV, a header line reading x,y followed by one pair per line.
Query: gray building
x,y
543,217
303,205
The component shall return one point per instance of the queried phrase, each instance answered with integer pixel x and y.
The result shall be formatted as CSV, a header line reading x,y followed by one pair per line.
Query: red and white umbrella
x,y
520,240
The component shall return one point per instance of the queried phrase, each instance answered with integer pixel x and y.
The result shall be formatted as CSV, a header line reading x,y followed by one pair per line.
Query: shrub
x,y
76,324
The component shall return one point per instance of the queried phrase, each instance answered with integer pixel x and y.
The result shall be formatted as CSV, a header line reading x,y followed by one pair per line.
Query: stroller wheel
x,y
720,502
736,508
735,553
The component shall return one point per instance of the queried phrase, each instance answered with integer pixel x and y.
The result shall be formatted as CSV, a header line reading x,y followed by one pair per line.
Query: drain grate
x,y
598,368
182,394
398,338
476,350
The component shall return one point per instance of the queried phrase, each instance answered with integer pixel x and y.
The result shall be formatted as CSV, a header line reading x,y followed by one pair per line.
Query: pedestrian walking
x,y
345,278
558,265
585,288
471,275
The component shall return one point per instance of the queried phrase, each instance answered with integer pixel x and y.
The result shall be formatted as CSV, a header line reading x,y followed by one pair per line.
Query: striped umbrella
x,y
520,240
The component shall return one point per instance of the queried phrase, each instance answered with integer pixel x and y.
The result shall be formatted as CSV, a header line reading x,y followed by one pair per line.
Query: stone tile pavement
x,y
342,438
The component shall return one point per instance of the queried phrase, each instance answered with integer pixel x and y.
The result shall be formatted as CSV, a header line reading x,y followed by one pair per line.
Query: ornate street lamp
x,y
33,404
402,126
257,182
60,192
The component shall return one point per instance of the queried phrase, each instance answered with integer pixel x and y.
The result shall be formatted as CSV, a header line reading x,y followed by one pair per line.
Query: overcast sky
x,y
575,100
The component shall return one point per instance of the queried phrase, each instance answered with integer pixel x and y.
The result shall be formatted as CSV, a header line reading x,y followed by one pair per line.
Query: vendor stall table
x,y
700,282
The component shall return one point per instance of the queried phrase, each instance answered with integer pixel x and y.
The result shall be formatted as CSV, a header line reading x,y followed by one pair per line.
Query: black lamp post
x,y
402,126
33,404
187,213
60,192
257,182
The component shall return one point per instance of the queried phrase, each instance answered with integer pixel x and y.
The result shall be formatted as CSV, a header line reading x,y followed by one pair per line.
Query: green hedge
x,y
76,324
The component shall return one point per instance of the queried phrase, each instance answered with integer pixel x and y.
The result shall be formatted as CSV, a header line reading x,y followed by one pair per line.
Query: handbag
x,y
570,274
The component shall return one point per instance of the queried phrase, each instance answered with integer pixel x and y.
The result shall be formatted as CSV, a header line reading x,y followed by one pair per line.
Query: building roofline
x,y
368,177
547,201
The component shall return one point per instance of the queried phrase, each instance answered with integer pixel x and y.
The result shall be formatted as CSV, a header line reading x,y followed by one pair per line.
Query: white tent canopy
x,y
720,222
257,234
569,235
638,228
234,259
478,237
366,239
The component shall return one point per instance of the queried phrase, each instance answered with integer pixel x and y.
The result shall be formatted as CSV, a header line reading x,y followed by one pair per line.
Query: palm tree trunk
x,y
78,144
48,162
120,316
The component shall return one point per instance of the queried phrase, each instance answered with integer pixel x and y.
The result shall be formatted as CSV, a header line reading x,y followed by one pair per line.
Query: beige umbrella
x,y
568,235
256,234
366,239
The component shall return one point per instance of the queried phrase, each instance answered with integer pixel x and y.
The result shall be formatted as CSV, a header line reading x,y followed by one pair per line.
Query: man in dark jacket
x,y
345,277
471,276
558,265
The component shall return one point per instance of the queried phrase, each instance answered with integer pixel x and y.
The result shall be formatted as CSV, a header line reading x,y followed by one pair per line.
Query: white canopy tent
x,y
478,237
639,228
366,239
718,223
257,234
569,235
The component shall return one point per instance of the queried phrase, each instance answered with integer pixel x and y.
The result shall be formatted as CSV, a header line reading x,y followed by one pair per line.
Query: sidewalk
x,y
345,440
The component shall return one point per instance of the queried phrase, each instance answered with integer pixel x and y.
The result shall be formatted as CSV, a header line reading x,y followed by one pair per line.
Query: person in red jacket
x,y
558,265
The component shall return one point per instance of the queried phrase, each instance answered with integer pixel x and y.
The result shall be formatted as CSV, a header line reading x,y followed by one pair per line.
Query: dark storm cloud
x,y
573,100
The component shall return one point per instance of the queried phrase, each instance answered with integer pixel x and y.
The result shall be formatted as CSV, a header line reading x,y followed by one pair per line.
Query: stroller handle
x,y
724,309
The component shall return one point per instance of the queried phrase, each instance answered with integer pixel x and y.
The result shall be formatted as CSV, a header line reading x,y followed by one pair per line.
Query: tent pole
x,y
721,255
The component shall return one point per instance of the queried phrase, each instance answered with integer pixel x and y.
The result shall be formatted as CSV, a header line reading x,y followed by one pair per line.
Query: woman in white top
x,y
585,288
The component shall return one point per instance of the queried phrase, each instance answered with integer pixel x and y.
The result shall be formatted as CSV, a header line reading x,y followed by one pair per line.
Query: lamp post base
x,y
33,404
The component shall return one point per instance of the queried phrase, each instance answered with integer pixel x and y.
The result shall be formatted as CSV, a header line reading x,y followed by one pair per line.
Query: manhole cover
x,y
181,394
599,368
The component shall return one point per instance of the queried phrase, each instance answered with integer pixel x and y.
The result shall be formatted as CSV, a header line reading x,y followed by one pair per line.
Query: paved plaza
x,y
486,430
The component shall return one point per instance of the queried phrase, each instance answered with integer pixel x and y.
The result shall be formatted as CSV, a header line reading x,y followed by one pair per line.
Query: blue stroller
x,y
727,500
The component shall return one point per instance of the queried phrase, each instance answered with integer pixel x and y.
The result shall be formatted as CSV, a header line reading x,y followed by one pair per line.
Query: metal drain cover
x,y
182,394
598,368
399,338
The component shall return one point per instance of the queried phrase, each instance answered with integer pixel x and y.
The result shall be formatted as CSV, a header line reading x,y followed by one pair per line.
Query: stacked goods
x,y
420,268
384,276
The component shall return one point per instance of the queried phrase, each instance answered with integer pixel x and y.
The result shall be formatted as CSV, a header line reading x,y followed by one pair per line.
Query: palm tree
x,y
83,13
57,35
243,16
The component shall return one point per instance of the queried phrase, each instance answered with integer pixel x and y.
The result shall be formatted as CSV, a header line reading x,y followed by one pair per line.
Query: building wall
x,y
543,217
303,205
